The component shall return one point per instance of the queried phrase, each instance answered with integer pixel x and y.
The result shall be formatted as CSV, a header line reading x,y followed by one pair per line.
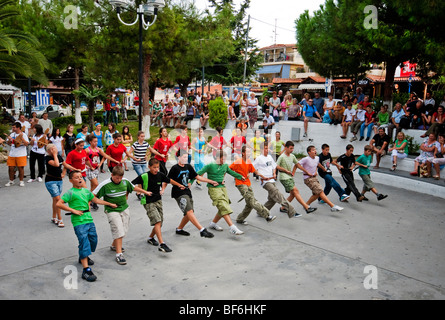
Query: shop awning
x,y
312,86
6,92
270,69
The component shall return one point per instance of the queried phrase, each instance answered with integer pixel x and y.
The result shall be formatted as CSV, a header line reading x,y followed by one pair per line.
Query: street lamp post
x,y
150,8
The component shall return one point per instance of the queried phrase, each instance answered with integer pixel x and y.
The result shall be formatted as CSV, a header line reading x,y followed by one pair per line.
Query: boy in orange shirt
x,y
244,166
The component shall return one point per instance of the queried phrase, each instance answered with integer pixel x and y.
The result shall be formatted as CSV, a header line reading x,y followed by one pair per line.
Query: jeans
x,y
87,236
331,183
370,131
140,168
54,188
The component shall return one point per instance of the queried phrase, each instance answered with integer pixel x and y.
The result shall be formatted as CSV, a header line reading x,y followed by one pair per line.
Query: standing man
x,y
394,122
18,154
319,104
46,123
235,98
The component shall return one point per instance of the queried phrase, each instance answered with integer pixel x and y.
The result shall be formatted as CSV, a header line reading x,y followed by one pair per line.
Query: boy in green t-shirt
x,y
220,199
364,161
115,190
287,165
78,199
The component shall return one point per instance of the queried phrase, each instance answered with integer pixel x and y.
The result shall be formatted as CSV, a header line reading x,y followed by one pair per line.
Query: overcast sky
x,y
266,11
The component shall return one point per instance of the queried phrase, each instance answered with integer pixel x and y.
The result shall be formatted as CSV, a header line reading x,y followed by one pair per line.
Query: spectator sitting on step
x,y
379,145
427,150
438,161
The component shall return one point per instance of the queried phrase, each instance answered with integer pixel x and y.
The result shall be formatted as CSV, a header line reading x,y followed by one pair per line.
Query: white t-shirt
x,y
35,147
251,103
20,151
330,105
269,119
46,124
57,141
360,115
275,102
265,166
349,114
310,165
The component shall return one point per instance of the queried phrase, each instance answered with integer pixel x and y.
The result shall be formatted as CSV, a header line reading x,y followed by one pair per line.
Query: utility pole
x,y
246,52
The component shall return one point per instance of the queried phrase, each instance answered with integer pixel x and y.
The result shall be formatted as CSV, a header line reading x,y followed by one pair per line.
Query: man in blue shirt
x,y
310,114
397,114
319,104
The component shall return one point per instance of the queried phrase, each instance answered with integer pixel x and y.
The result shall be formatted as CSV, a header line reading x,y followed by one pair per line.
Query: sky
x,y
263,14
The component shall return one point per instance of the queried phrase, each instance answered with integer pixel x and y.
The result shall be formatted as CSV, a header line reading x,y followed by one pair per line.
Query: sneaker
x,y
153,242
88,275
39,179
234,230
90,262
204,233
283,210
214,226
361,138
120,259
321,202
365,199
368,138
310,210
271,218
22,183
243,222
360,199
11,183
336,208
182,232
297,215
305,135
31,180
381,197
354,138
164,248
344,198
113,248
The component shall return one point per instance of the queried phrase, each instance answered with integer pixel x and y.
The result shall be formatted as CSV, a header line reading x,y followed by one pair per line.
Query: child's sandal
x,y
60,224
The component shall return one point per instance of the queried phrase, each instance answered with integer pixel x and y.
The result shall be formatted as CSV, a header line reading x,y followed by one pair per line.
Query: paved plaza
x,y
393,249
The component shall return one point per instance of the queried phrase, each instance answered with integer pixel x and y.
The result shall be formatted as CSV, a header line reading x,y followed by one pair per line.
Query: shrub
x,y
217,113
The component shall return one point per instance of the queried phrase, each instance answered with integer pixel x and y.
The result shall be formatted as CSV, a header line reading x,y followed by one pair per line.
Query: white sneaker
x,y
214,226
31,180
22,183
336,208
39,179
234,230
10,183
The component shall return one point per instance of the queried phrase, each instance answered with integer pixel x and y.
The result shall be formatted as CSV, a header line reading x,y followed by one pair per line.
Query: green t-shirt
x,y
277,146
216,173
365,160
399,145
78,199
383,118
114,193
287,162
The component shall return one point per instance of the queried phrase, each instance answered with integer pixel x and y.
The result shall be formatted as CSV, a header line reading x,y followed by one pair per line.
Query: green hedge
x,y
62,122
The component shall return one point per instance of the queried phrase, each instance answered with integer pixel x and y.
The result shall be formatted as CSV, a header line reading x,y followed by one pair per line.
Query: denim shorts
x,y
54,188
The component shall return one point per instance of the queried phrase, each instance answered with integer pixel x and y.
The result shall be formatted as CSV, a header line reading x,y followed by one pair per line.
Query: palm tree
x,y
19,55
90,95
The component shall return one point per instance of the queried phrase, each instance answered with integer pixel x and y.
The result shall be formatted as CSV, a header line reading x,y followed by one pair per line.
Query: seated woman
x,y
438,160
427,150
437,122
168,114
399,150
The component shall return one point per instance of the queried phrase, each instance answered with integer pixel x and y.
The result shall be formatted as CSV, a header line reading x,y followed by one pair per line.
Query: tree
x,y
19,50
90,95
230,70
338,41
217,113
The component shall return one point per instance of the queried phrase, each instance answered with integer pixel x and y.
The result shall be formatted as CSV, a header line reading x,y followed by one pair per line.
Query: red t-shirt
x,y
162,146
116,153
237,143
218,143
77,160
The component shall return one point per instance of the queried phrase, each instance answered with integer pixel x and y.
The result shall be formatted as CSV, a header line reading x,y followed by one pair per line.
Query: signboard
x,y
409,69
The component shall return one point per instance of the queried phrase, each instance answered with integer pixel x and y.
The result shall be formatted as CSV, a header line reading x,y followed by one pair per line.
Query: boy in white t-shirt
x,y
266,167
309,166
348,118
17,155
359,119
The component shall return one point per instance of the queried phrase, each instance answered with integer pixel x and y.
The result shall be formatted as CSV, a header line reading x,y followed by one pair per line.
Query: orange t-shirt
x,y
243,168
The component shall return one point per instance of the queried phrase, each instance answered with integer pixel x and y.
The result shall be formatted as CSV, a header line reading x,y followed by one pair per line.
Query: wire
x,y
270,24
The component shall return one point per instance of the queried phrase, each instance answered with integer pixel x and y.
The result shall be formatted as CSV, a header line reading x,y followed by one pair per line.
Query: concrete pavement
x,y
395,248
